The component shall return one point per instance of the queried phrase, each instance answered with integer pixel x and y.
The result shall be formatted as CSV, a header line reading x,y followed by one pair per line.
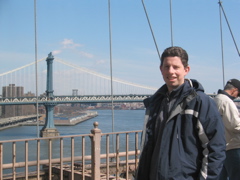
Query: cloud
x,y
101,61
56,52
85,54
69,44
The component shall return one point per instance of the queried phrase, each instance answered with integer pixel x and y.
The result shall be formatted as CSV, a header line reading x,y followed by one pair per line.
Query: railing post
x,y
1,161
96,151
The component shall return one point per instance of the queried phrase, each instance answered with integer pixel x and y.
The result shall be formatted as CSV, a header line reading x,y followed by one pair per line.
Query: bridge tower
x,y
75,92
49,129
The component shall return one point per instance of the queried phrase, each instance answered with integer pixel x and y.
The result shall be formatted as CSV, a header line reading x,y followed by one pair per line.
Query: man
x,y
184,134
231,120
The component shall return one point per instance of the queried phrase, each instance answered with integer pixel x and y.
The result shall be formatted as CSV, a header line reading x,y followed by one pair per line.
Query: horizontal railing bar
x,y
121,132
68,136
67,159
43,138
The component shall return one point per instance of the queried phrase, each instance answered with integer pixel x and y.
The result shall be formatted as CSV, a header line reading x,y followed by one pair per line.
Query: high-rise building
x,y
13,91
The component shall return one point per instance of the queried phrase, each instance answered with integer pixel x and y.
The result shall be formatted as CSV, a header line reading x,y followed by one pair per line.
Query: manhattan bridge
x,y
64,83
56,85
71,84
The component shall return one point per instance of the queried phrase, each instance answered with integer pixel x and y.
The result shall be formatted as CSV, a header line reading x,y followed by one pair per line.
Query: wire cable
x,y
221,7
220,15
151,29
110,51
36,61
171,24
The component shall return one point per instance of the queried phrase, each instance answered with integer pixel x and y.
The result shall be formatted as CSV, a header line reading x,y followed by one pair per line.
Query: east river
x,y
124,120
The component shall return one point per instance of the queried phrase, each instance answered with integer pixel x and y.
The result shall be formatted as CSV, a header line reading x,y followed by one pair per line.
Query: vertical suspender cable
x,y
220,11
171,26
110,47
220,15
36,63
151,29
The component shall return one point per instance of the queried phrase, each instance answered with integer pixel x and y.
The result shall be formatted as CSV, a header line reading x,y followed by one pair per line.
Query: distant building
x,y
29,109
13,91
75,92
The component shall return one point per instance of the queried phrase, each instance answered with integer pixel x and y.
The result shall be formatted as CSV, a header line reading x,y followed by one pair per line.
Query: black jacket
x,y
191,142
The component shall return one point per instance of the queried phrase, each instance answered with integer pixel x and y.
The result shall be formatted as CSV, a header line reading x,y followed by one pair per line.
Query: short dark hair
x,y
175,51
233,83
228,86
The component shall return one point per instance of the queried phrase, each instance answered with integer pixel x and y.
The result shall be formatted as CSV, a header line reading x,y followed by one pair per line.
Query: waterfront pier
x,y
16,121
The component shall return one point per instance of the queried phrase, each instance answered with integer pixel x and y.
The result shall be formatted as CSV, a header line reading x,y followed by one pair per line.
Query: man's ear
x,y
187,70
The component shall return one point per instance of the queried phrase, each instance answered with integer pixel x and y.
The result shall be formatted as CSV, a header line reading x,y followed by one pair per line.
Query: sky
x,y
78,32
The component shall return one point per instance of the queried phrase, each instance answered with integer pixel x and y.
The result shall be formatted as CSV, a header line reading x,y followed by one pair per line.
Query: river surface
x,y
124,120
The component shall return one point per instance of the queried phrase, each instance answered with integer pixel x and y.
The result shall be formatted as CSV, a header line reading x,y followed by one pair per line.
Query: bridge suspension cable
x,y
22,67
221,7
221,10
36,62
223,73
171,24
110,56
105,76
154,39
68,77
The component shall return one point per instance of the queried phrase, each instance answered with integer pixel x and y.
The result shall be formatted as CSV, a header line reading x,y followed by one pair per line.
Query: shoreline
x,y
15,122
70,122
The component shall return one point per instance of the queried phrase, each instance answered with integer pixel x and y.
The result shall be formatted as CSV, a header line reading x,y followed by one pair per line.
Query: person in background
x,y
183,137
231,120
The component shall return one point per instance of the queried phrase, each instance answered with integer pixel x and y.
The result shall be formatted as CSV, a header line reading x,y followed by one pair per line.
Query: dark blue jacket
x,y
192,145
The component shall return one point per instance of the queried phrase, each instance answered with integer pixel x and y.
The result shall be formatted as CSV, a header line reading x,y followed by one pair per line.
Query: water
x,y
124,120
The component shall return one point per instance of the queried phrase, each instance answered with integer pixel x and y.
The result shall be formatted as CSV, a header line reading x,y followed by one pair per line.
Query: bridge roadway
x,y
73,99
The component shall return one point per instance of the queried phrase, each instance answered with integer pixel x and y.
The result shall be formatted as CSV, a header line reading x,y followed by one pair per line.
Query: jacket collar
x,y
180,92
223,92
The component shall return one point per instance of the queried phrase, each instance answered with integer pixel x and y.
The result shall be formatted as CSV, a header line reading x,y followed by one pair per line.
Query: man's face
x,y
173,72
235,92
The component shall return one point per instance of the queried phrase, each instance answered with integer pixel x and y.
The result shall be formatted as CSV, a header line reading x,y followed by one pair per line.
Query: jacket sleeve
x,y
211,134
143,169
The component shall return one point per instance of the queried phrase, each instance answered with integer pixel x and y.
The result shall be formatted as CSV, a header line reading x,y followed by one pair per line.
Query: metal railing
x,y
84,156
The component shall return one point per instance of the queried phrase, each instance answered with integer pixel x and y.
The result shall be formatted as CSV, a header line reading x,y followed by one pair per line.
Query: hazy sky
x,y
77,31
